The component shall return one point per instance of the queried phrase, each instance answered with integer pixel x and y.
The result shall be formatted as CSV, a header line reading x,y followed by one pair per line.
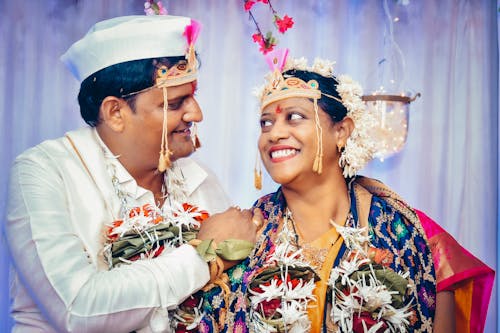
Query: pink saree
x,y
459,271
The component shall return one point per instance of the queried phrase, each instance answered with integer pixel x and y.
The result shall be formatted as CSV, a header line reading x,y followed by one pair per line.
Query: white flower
x,y
303,290
373,294
294,314
298,63
372,329
398,317
273,290
354,238
136,220
346,268
293,297
286,255
176,184
323,67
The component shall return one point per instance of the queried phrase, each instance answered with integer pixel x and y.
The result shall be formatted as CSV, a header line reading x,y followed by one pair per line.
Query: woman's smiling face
x,y
288,141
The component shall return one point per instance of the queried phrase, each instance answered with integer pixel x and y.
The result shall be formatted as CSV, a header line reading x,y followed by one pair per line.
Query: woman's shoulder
x,y
385,201
269,201
392,221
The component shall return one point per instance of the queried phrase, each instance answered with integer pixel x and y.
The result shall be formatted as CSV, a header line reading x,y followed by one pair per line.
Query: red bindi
x,y
278,109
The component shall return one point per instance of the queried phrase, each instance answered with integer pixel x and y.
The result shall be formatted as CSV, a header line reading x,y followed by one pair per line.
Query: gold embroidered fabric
x,y
320,254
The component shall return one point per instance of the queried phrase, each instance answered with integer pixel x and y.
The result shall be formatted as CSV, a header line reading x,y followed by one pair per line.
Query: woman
x,y
338,252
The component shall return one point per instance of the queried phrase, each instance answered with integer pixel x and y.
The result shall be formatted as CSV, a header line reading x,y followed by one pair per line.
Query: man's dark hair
x,y
118,80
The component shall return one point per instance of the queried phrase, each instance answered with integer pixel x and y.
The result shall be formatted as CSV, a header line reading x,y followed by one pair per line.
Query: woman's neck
x,y
314,207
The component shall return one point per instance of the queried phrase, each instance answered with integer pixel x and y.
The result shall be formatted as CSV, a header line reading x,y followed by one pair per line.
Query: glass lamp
x,y
388,102
392,115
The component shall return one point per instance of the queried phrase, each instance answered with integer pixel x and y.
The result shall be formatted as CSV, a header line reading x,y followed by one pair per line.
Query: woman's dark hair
x,y
336,110
118,80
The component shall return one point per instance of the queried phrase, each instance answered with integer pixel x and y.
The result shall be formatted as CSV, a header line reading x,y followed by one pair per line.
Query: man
x,y
137,95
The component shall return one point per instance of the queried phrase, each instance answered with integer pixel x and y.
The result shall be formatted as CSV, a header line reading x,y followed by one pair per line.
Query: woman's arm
x,y
444,320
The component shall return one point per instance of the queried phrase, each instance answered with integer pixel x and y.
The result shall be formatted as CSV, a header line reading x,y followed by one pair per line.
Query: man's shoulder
x,y
195,173
192,168
49,149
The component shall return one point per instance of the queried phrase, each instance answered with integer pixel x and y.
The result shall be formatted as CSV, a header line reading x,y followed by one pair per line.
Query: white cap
x,y
124,39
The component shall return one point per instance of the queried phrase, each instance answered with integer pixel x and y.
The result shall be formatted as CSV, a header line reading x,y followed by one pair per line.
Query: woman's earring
x,y
340,147
343,159
257,173
194,137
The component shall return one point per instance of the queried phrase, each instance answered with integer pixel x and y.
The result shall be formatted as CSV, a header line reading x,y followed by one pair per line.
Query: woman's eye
x,y
265,123
296,116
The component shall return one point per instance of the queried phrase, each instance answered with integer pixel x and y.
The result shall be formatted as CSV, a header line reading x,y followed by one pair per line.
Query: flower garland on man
x,y
145,232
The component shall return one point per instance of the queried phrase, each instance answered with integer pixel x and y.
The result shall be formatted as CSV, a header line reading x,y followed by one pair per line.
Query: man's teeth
x,y
283,153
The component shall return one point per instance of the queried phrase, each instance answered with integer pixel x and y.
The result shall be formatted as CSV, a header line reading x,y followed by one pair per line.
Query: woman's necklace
x,y
316,256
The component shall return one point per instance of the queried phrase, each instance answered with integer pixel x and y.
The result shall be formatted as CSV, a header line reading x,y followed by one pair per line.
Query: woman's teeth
x,y
283,153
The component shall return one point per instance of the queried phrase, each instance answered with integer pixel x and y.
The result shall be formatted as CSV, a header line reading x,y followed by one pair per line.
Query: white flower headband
x,y
359,147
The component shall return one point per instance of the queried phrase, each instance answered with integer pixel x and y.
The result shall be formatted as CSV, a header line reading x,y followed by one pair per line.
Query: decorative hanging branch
x,y
267,42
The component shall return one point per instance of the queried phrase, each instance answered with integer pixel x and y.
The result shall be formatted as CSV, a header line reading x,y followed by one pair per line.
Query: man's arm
x,y
69,290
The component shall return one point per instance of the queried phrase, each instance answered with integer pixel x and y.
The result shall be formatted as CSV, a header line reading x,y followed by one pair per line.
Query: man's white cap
x,y
124,39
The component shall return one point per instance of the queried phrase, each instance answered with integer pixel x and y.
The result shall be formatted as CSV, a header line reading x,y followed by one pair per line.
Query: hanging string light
x,y
388,101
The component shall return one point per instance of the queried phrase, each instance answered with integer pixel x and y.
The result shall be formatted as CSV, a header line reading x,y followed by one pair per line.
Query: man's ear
x,y
344,129
112,113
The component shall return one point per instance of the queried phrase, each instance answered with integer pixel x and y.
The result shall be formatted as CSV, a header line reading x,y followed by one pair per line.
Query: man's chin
x,y
181,152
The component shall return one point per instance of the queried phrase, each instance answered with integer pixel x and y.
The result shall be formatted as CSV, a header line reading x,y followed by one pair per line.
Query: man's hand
x,y
234,223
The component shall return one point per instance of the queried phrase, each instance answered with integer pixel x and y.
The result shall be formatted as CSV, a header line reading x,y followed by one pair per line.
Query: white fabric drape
x,y
449,168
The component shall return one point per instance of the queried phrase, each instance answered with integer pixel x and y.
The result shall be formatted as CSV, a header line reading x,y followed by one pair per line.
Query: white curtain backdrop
x,y
449,167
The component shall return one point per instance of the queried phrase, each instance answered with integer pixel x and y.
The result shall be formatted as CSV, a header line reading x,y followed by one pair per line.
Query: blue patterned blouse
x,y
397,230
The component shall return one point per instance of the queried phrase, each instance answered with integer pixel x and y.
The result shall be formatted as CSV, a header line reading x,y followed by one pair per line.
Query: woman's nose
x,y
278,132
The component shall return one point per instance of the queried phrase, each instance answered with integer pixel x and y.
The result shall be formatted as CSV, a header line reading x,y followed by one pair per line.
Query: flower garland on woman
x,y
333,256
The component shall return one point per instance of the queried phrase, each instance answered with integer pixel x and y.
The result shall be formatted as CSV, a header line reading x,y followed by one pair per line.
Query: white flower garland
x,y
293,299
142,220
355,284
365,293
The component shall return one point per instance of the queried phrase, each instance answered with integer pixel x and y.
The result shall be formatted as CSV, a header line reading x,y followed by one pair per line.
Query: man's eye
x,y
175,105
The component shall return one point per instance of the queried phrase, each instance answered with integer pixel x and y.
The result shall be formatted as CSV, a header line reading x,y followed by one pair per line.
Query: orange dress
x,y
321,254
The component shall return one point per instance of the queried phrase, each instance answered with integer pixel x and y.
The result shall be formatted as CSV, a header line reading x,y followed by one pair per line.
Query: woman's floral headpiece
x,y
359,148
